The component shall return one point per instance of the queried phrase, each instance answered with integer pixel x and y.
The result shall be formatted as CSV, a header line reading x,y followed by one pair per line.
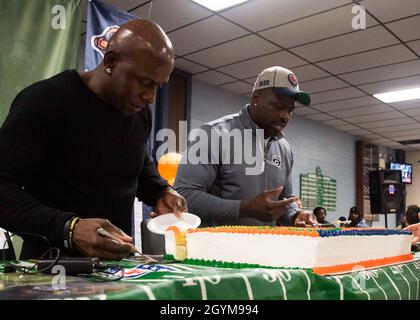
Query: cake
x,y
325,251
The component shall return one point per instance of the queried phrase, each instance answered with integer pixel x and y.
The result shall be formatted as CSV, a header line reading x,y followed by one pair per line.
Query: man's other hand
x,y
170,201
415,230
264,208
305,219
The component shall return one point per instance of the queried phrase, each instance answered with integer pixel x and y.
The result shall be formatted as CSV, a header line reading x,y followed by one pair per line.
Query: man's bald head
x,y
141,37
138,59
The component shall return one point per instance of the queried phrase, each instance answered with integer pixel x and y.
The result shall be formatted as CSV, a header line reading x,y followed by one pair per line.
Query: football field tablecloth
x,y
176,281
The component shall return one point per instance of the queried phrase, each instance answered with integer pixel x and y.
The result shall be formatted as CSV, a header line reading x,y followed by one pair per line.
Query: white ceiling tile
x,y
309,72
379,108
213,77
251,68
304,111
381,141
188,66
391,85
235,50
203,34
171,14
387,123
261,14
415,146
347,127
350,43
359,132
335,95
403,69
394,145
369,59
346,104
397,128
320,26
319,117
371,136
238,87
407,132
406,29
335,123
415,45
387,10
409,104
409,148
412,112
375,117
405,138
322,84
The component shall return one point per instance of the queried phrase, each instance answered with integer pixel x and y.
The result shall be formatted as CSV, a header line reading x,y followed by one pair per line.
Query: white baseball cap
x,y
282,81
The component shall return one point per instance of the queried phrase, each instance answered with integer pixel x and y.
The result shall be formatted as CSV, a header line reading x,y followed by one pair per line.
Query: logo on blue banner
x,y
103,21
99,42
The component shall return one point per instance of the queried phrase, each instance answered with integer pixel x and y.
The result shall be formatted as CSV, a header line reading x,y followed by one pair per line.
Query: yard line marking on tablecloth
x,y
172,276
202,287
373,278
417,281
360,288
408,284
309,284
248,286
148,280
148,292
177,270
341,287
186,268
392,282
272,276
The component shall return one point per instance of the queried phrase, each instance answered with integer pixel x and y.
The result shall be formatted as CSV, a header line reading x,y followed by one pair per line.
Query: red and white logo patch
x,y
293,80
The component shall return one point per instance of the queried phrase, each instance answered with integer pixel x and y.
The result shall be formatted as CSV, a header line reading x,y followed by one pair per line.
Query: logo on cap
x,y
293,80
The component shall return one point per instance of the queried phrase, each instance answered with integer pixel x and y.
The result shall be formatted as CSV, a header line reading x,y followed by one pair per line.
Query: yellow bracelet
x,y
71,228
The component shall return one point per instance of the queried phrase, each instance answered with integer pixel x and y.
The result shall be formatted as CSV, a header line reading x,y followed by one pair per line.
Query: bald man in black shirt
x,y
73,150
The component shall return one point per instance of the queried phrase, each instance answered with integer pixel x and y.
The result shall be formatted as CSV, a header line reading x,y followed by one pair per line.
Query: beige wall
x,y
413,190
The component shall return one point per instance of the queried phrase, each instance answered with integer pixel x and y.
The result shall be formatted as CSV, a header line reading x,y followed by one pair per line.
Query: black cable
x,y
100,273
28,270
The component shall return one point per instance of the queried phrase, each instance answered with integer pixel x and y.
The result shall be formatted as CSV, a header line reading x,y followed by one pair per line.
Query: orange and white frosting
x,y
325,251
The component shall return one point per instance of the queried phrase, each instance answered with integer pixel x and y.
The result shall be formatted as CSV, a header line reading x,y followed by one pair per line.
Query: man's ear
x,y
255,98
110,59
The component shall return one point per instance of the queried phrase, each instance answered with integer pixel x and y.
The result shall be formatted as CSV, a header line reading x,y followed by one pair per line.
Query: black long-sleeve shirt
x,y
64,152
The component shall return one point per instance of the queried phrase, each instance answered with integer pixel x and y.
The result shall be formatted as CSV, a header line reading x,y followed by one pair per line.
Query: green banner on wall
x,y
39,38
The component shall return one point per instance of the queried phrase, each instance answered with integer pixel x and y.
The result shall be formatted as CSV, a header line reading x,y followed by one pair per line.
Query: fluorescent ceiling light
x,y
401,95
217,5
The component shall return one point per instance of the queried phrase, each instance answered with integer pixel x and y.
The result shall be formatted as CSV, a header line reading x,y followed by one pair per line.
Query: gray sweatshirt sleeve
x,y
194,182
288,218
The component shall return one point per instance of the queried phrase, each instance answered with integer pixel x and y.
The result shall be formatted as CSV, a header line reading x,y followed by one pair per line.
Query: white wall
x,y
413,190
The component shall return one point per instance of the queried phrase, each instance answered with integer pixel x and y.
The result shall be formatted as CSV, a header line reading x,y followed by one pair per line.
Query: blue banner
x,y
102,22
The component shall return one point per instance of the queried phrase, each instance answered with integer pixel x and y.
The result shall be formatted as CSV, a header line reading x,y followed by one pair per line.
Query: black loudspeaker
x,y
386,191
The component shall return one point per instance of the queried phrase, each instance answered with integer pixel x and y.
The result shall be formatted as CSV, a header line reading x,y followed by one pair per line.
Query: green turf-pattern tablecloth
x,y
176,281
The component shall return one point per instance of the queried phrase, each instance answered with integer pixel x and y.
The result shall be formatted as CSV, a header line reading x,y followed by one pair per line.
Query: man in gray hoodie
x,y
248,183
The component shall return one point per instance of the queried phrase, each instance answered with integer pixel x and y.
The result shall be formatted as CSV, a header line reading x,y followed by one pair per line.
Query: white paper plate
x,y
184,222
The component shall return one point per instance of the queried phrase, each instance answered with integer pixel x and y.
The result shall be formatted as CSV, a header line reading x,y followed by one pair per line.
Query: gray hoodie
x,y
214,191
